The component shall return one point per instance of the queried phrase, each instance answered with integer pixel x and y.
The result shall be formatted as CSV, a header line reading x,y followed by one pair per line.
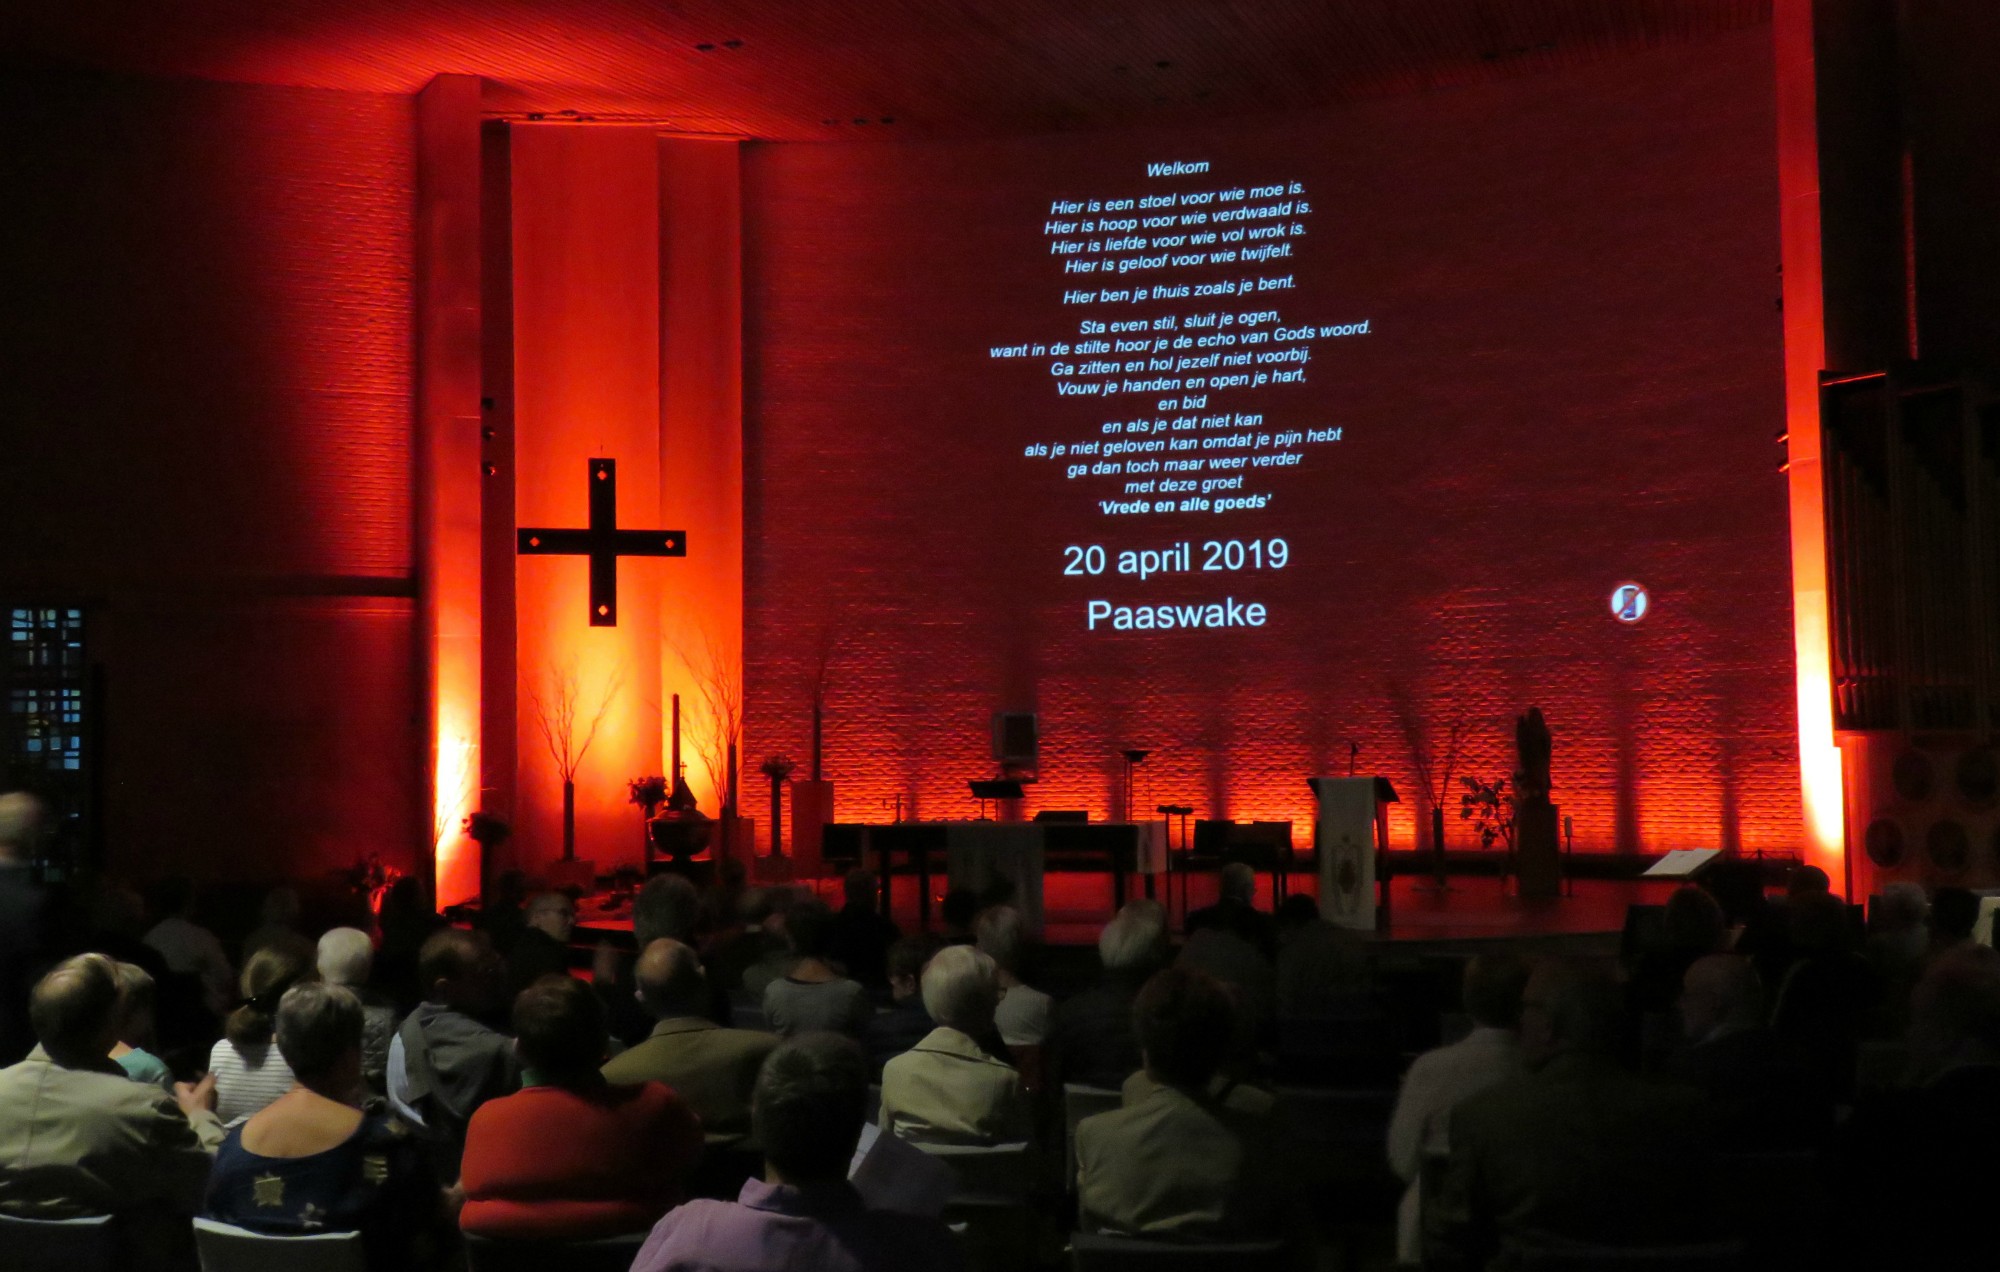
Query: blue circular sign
x,y
1629,602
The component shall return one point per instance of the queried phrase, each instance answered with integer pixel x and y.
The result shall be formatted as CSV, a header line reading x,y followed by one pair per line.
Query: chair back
x,y
1724,1256
607,1254
992,1201
1338,1135
1089,1252
1080,1102
988,1174
224,1247
59,1245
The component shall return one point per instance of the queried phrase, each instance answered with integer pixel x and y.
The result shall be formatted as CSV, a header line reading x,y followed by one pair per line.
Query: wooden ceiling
x,y
818,70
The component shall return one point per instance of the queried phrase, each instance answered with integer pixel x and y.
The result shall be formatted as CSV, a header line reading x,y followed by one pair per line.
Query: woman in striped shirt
x,y
249,1072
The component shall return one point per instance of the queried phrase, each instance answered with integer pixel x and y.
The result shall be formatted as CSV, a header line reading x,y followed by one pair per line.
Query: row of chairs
x,y
93,1245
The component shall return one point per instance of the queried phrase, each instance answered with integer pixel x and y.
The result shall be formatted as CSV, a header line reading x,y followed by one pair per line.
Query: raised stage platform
x,y
1476,910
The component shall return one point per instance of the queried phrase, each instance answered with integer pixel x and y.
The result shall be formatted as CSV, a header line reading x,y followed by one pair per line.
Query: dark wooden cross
x,y
603,542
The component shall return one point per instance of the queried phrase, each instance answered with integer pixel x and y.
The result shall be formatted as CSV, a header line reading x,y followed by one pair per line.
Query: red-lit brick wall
x,y
207,421
1574,379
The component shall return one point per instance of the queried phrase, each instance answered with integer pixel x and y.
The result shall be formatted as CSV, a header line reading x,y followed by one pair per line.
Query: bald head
x,y
1720,991
670,980
74,1010
20,818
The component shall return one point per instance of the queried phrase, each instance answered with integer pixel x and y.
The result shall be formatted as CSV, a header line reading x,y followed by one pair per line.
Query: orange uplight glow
x,y
455,786
1805,356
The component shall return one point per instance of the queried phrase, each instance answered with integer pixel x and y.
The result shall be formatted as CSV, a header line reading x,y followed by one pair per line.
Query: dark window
x,y
47,729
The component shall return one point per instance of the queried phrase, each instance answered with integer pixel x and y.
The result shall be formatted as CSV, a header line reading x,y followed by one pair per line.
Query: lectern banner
x,y
1346,839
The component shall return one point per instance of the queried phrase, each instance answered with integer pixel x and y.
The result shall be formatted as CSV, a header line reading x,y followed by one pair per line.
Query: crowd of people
x,y
422,1084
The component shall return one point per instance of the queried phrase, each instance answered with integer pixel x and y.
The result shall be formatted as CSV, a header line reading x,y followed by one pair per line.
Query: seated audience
x,y
502,909
948,1089
24,915
406,922
572,1156
1095,1044
78,1137
1232,958
1691,927
1761,1092
118,927
249,1071
1441,1079
712,1068
1235,910
1178,1160
189,948
1321,968
1911,1174
813,996
959,911
541,947
1023,1014
1898,948
861,935
905,1024
666,909
804,1215
277,922
1830,997
1577,1150
311,1161
737,946
1954,915
719,913
133,1051
345,957
769,949
445,1061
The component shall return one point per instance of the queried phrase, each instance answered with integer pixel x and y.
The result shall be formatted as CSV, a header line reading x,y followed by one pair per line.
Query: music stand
x,y
1167,813
994,790
1134,756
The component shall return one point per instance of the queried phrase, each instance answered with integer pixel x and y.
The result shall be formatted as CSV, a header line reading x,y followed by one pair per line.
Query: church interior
x,y
1374,627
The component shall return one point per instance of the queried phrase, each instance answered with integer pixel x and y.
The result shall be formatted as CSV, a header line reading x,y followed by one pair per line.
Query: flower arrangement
x,y
648,792
1489,806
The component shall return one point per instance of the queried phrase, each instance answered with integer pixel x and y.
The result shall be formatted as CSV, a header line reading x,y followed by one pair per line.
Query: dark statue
x,y
1532,746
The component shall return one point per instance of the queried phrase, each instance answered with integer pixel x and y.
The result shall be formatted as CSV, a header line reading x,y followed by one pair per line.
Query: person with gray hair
x,y
1023,1013
78,1137
346,957
1761,1090
1093,1039
312,1160
948,1089
1577,1150
1442,1078
541,947
1235,911
712,1067
804,1215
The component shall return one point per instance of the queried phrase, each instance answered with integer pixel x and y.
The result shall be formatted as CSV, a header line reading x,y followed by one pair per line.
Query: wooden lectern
x,y
1351,833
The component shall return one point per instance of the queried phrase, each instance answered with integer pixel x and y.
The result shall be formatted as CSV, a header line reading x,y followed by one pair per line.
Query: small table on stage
x,y
1020,852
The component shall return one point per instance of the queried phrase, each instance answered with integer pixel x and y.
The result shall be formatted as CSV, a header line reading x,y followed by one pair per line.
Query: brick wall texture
x,y
1572,379
207,416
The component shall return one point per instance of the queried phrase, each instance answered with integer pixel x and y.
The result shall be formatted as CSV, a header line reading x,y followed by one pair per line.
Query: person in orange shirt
x,y
572,1156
